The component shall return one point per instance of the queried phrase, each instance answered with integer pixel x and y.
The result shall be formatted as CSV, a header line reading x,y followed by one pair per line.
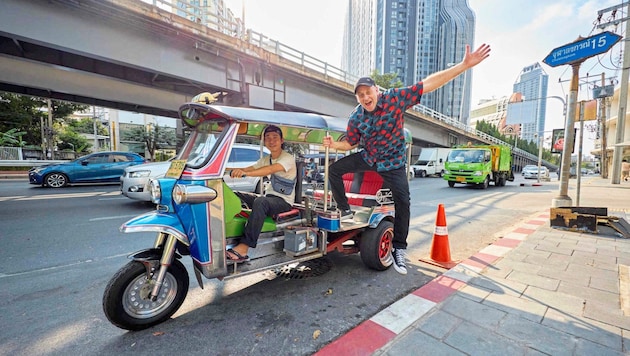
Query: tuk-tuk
x,y
198,215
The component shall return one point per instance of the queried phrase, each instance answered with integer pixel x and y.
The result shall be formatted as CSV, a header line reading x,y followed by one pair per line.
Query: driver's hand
x,y
237,173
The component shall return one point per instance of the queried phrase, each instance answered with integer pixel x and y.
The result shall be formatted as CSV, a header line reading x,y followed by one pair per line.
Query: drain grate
x,y
306,269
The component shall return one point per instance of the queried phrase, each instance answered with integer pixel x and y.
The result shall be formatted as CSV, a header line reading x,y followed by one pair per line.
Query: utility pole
x,y
623,91
95,130
49,132
623,102
602,115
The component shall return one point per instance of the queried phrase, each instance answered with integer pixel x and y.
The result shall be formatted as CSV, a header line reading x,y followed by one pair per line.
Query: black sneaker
x,y
399,256
346,215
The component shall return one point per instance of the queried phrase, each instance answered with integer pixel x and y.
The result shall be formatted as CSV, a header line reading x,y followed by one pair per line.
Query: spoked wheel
x,y
376,246
56,180
127,303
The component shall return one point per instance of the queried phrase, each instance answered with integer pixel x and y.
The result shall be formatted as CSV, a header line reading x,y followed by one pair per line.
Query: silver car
x,y
531,171
134,183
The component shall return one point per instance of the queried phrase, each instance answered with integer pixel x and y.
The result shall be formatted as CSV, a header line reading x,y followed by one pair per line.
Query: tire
x,y
502,180
440,173
56,180
126,303
485,184
422,174
451,184
376,246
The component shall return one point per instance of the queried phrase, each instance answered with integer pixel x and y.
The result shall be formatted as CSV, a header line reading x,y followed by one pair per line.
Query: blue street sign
x,y
580,50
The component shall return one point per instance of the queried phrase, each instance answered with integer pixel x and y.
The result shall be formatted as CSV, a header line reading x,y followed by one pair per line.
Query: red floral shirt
x,y
381,132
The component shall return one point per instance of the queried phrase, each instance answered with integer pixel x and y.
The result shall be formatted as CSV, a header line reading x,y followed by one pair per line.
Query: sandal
x,y
240,258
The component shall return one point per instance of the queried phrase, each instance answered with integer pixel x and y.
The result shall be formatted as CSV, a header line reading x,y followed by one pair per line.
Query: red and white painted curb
x,y
383,327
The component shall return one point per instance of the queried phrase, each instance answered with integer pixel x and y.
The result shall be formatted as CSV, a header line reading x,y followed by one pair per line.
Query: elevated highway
x,y
134,56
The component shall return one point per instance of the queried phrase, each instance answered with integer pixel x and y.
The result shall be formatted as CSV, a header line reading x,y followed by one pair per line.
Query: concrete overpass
x,y
133,56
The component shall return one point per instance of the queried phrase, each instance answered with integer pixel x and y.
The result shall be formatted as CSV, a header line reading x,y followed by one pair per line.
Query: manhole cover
x,y
306,269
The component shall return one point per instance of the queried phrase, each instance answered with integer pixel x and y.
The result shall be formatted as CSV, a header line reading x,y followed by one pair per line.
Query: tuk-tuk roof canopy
x,y
296,127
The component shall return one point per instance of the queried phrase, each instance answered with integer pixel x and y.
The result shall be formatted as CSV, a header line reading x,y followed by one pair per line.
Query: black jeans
x,y
262,206
396,180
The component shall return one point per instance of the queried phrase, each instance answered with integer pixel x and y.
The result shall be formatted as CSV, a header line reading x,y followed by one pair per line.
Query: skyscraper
x,y
532,84
413,39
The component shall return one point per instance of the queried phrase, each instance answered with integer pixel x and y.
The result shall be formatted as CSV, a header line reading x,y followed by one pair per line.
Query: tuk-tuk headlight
x,y
193,194
156,191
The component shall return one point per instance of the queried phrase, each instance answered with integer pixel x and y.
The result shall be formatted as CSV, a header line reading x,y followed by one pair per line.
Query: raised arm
x,y
471,59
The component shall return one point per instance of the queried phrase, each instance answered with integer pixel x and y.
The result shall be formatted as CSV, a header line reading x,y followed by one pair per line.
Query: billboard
x,y
557,140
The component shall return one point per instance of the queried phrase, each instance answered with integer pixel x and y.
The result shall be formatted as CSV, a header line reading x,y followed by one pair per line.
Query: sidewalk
x,y
536,290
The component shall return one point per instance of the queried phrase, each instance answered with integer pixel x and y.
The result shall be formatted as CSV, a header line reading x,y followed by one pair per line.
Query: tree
x,y
386,81
12,138
527,146
26,114
153,136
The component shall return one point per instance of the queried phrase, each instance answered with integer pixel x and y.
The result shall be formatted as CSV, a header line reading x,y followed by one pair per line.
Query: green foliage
x,y
12,138
71,140
387,80
26,114
86,125
153,136
527,146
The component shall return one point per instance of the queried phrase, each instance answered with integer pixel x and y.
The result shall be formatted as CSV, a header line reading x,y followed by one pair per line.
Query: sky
x,y
519,33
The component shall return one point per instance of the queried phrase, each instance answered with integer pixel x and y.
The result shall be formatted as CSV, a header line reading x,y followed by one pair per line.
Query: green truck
x,y
479,165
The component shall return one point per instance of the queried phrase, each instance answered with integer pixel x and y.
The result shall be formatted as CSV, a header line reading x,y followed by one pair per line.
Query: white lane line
x,y
113,217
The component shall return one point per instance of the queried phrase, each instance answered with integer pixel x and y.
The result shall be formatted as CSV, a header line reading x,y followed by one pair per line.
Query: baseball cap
x,y
367,81
272,128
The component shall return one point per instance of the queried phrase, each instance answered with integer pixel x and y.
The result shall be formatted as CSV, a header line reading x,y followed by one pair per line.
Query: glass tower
x,y
532,84
415,38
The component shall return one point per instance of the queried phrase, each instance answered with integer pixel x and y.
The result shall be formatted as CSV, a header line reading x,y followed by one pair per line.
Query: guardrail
x,y
27,163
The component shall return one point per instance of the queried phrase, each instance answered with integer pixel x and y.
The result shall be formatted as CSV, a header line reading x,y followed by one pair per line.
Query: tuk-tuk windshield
x,y
202,142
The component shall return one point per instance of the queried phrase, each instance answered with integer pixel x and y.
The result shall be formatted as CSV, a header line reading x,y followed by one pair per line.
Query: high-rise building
x,y
413,38
532,84
357,56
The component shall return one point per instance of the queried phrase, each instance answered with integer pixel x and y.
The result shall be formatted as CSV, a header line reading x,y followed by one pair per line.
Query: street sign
x,y
582,49
604,92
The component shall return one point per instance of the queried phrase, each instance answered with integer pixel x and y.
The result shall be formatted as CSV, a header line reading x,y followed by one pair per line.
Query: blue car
x,y
99,167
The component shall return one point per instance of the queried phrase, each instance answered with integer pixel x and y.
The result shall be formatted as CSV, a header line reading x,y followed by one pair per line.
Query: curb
x,y
378,331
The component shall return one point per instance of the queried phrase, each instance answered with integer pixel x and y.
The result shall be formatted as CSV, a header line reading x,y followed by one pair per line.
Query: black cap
x,y
367,81
272,128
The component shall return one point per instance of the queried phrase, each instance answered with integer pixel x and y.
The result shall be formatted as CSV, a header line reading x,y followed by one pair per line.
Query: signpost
x,y
581,49
575,53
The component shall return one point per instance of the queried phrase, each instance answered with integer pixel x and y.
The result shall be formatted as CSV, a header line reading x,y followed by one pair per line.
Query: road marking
x,y
40,270
113,217
58,196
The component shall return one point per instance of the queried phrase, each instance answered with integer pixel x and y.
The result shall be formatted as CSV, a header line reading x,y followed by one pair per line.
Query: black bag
x,y
282,185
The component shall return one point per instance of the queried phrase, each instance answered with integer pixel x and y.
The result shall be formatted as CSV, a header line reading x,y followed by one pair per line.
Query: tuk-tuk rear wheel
x,y
376,246
127,303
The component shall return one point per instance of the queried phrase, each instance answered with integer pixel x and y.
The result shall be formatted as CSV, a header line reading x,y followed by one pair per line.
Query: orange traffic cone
x,y
440,249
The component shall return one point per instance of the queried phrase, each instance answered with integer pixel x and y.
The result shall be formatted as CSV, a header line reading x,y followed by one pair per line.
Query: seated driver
x,y
278,196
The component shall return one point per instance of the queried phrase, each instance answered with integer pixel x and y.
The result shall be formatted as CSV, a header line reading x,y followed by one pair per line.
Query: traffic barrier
x,y
440,249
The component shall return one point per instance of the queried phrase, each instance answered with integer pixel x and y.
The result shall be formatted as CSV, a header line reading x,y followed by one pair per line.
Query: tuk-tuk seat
x,y
361,188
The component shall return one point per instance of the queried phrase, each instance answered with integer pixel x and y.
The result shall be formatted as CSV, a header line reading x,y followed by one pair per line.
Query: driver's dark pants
x,y
396,180
262,206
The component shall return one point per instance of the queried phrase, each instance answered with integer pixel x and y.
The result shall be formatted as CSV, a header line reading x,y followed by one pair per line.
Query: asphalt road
x,y
61,246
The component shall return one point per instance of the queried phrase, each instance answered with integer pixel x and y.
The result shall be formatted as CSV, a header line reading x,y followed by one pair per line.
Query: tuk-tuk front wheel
x,y
127,299
376,246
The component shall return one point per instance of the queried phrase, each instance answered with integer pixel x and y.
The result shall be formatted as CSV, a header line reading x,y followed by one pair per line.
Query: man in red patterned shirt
x,y
377,126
